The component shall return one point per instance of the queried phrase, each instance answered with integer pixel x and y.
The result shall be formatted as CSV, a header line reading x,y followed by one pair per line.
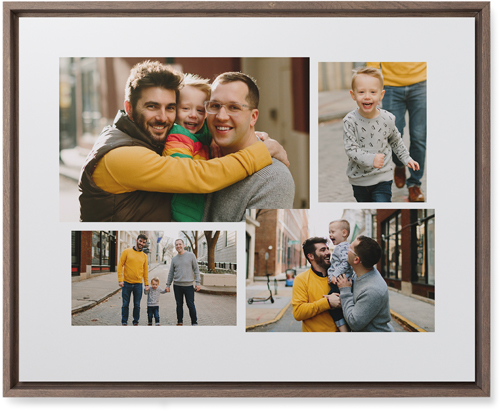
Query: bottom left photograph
x,y
153,278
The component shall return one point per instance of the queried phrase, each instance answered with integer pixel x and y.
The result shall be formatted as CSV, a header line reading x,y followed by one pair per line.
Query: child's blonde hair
x,y
194,80
156,279
369,71
344,225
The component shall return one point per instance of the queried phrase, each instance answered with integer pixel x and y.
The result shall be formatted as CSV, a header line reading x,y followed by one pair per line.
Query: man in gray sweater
x,y
231,116
366,304
183,272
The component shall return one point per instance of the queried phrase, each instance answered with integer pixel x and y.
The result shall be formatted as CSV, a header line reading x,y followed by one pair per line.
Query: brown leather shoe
x,y
179,324
415,194
400,176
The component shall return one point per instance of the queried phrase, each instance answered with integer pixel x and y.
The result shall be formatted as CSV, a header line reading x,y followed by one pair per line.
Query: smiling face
x,y
321,257
236,131
337,234
141,242
154,113
191,108
367,94
154,284
179,246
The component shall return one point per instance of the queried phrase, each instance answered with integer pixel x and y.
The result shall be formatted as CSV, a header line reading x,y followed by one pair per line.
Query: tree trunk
x,y
193,242
211,242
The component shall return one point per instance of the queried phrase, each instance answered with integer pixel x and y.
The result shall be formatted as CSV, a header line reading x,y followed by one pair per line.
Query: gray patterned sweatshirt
x,y
363,139
154,296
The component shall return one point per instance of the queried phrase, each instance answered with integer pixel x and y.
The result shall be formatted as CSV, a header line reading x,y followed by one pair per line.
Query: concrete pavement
x,y
410,313
97,301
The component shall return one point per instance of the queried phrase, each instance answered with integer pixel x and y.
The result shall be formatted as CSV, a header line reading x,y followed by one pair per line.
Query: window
x,y
423,258
391,247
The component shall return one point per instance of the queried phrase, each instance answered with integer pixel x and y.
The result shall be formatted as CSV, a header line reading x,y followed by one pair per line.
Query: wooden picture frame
x,y
13,12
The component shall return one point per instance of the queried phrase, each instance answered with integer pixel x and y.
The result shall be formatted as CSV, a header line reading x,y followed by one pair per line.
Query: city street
x,y
409,314
212,309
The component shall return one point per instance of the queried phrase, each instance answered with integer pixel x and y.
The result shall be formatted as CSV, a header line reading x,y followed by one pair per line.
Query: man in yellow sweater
x,y
405,85
132,271
310,299
125,178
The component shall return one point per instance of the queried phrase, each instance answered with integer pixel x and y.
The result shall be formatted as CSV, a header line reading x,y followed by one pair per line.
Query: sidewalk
x,y
413,313
86,294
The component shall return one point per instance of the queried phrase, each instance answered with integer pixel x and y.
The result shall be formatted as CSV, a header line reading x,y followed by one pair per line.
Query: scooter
x,y
262,299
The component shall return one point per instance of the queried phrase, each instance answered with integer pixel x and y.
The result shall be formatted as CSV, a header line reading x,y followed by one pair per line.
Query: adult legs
x,y
137,291
189,293
126,291
395,102
417,112
179,301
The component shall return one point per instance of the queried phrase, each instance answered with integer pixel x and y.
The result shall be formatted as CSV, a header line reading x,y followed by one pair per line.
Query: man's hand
x,y
333,300
378,161
413,165
277,151
146,288
167,289
342,281
197,288
121,284
215,150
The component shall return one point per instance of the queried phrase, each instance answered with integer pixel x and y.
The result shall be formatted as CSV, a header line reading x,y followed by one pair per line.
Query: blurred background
x,y
92,91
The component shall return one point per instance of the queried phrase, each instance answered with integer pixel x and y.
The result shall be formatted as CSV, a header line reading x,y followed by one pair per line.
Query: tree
x,y
211,242
193,242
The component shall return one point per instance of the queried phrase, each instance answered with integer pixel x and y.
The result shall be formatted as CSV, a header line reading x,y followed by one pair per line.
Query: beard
x,y
321,262
142,124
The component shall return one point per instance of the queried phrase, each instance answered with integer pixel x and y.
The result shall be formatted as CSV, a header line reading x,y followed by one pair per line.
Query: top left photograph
x,y
182,139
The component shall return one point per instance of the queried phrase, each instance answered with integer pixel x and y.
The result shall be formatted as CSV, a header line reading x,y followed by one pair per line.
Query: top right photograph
x,y
372,131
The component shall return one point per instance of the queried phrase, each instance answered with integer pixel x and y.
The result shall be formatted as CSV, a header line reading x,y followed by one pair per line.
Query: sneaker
x,y
195,324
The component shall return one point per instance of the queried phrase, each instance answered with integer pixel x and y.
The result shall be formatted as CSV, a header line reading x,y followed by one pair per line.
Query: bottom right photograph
x,y
346,270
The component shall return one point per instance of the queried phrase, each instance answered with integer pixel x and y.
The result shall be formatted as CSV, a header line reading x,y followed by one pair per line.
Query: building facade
x,y
278,241
407,238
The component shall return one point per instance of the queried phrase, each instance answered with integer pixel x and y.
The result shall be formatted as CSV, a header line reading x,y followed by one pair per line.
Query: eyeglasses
x,y
213,107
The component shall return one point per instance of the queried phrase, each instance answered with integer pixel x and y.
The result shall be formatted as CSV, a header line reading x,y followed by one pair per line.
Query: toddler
x,y
153,294
370,137
339,232
190,138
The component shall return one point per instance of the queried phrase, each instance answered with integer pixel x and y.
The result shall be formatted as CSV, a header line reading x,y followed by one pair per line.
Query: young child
x,y
339,232
370,137
190,138
153,294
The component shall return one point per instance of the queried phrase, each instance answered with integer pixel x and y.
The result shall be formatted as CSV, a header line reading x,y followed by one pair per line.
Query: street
x,y
211,309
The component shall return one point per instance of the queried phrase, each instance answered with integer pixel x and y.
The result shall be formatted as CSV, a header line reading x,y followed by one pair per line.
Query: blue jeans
x,y
185,291
154,311
127,290
378,193
413,99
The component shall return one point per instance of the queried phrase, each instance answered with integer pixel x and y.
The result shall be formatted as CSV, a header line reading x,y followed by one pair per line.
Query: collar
x,y
318,273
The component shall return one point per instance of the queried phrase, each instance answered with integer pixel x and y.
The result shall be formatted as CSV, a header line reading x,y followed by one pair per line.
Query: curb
x,y
94,303
216,292
403,321
277,318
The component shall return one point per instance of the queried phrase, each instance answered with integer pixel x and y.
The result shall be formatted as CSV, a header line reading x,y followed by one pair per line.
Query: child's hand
x,y
167,289
262,135
413,165
215,151
332,280
378,161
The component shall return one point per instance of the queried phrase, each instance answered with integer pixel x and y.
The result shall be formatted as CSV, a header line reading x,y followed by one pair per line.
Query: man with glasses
x,y
125,178
366,304
231,116
310,300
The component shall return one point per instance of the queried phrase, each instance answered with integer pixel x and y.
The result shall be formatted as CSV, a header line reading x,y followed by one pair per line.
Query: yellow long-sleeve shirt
x,y
401,74
309,305
127,169
133,267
